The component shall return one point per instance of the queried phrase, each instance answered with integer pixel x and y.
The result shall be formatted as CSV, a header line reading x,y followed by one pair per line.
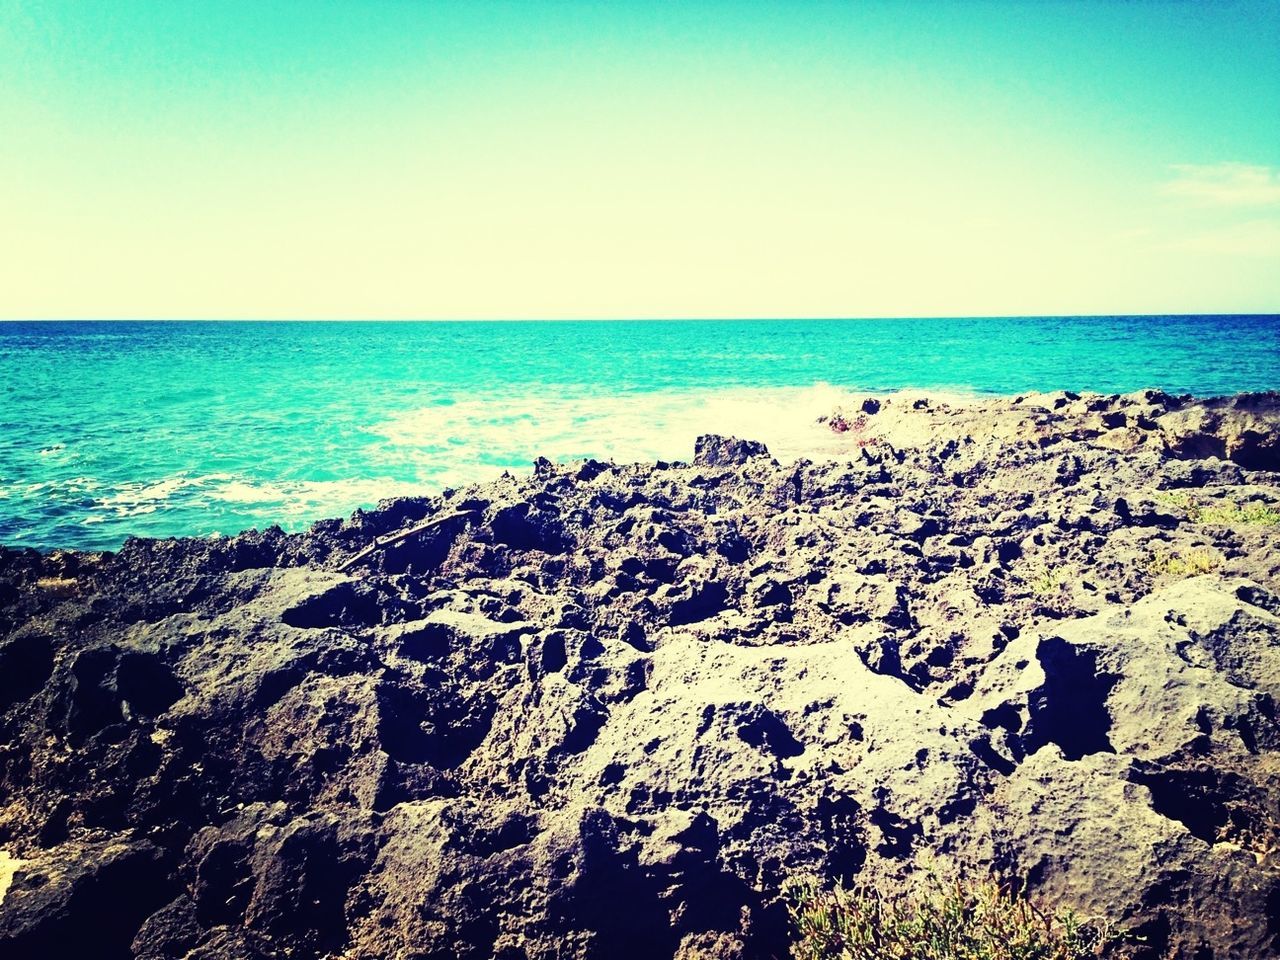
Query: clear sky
x,y
407,158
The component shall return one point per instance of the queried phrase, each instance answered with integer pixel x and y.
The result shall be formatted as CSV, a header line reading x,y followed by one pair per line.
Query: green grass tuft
x,y
1047,581
983,921
1188,564
1236,514
1222,512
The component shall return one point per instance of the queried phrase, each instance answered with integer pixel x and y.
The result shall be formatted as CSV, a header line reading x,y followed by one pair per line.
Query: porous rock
x,y
607,710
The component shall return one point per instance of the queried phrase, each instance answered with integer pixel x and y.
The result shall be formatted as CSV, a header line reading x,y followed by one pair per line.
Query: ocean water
x,y
113,429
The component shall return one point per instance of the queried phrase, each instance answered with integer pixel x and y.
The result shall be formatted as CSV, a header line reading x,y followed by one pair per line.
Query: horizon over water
x,y
116,428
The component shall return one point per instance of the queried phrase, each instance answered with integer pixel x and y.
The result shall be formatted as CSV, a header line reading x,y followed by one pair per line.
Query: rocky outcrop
x,y
607,710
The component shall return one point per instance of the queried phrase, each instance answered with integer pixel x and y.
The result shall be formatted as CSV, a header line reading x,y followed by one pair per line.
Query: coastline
x,y
792,421
1025,637
186,429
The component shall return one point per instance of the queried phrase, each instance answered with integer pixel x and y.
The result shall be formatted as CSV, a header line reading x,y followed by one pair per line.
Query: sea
x,y
113,429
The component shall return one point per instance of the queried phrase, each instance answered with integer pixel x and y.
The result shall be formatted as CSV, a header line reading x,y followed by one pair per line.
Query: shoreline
x,y
196,429
791,421
1028,639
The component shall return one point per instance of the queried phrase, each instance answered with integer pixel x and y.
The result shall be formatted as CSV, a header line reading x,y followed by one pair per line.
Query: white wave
x,y
138,498
512,430
280,499
313,498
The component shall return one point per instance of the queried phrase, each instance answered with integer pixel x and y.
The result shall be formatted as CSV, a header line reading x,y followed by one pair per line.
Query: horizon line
x,y
646,319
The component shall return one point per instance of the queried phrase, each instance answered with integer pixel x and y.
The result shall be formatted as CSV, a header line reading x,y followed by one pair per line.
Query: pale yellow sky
x,y
624,165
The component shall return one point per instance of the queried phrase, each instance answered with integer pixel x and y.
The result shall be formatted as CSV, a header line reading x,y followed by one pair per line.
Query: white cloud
x,y
1253,238
1226,184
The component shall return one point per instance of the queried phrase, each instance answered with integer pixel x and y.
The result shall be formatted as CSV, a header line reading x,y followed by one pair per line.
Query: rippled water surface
x,y
115,429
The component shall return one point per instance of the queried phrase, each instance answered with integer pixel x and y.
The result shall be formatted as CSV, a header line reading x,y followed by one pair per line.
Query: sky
x,y
565,159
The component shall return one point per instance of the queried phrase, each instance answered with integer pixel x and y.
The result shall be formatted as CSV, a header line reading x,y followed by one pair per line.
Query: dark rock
x,y
172,931
711,450
1146,517
606,710
524,527
81,900
1070,710
26,661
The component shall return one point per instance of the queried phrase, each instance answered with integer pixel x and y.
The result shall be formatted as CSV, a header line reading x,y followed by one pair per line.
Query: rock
x,y
607,710
172,931
26,661
715,451
82,899
1240,429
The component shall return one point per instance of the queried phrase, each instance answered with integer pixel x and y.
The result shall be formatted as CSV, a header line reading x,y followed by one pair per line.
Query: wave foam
x,y
512,431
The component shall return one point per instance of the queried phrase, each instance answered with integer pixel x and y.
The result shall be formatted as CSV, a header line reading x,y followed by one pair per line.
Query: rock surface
x,y
606,711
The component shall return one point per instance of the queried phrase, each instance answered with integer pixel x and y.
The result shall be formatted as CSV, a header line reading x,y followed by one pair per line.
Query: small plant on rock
x,y
1175,498
1047,581
1185,564
1237,514
956,921
1223,512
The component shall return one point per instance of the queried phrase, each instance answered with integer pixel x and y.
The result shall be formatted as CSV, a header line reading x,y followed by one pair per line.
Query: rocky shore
x,y
606,711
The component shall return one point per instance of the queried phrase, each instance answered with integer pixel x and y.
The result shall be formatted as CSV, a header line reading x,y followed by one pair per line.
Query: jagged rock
x,y
716,451
606,710
82,899
1241,429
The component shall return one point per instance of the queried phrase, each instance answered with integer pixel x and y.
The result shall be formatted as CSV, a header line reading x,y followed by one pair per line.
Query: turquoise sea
x,y
113,429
